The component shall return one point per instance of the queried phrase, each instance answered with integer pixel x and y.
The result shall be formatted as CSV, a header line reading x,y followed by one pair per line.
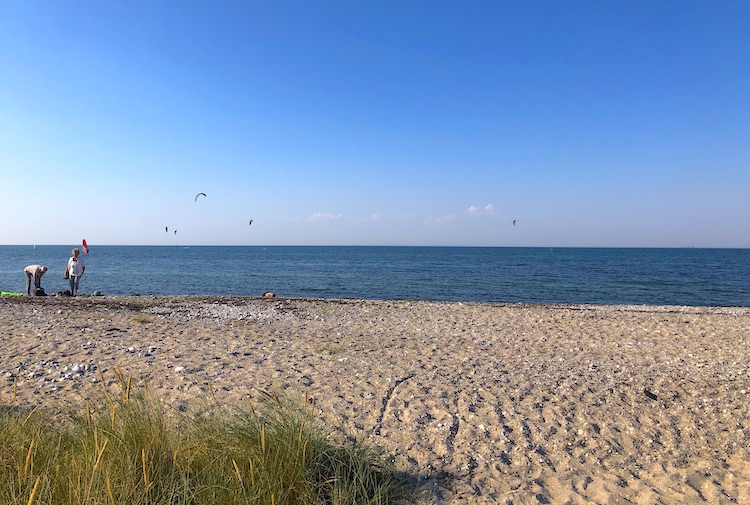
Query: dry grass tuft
x,y
129,451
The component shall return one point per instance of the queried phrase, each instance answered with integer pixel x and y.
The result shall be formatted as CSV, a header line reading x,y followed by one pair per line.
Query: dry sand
x,y
483,403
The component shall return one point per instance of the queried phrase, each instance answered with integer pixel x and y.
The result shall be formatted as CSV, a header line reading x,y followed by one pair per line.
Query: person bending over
x,y
34,272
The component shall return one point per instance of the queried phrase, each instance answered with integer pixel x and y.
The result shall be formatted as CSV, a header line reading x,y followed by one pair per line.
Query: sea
x,y
539,275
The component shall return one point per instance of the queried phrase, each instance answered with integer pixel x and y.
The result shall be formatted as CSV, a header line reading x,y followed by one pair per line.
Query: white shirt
x,y
33,269
75,267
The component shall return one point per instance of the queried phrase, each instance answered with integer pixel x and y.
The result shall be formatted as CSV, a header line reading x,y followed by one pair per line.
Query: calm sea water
x,y
711,277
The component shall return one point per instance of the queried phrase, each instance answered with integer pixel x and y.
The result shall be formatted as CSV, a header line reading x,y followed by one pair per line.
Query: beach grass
x,y
128,449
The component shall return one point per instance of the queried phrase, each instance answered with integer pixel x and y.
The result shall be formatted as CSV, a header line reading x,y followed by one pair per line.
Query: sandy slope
x,y
483,403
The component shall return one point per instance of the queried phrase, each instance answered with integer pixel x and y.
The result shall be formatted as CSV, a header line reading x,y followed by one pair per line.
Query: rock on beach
x,y
481,403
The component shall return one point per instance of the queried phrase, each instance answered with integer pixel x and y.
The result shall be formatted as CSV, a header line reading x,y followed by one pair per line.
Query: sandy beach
x,y
483,403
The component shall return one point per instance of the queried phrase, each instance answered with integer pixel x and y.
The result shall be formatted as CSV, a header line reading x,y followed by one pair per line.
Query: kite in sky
x,y
85,246
251,222
166,229
199,194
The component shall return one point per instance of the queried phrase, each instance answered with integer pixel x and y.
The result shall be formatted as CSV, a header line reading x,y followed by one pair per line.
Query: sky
x,y
431,123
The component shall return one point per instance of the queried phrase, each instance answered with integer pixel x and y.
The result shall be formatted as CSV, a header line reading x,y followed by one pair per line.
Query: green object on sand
x,y
10,293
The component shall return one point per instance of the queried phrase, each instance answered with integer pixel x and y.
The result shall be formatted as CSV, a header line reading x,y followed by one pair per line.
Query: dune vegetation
x,y
130,449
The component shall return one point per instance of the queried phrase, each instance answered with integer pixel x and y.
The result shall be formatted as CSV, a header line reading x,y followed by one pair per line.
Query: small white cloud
x,y
376,216
324,216
487,210
442,219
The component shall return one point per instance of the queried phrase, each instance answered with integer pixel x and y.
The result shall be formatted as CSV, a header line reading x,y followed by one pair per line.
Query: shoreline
x,y
483,402
149,299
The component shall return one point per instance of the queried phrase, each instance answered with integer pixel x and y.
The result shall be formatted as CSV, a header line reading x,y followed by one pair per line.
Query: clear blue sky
x,y
589,123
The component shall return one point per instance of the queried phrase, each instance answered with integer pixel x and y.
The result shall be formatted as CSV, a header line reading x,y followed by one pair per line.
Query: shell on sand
x,y
483,403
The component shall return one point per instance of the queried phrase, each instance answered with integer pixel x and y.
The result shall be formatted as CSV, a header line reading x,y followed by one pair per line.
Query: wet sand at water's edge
x,y
483,403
